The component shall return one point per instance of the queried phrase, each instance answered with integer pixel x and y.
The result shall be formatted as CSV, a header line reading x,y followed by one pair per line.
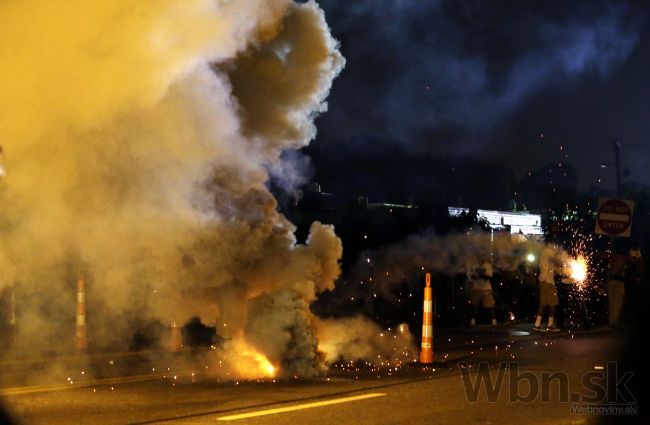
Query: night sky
x,y
519,84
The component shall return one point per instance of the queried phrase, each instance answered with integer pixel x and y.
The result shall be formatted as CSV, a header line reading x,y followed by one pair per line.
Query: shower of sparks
x,y
578,269
583,265
587,268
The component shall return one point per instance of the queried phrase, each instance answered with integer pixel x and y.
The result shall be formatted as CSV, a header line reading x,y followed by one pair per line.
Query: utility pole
x,y
617,158
617,163
508,207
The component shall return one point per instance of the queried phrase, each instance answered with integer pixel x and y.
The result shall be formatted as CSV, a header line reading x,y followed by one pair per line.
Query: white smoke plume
x,y
137,139
358,338
449,255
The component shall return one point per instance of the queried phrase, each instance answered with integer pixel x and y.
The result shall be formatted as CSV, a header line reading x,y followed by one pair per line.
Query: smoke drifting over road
x,y
138,138
449,255
355,338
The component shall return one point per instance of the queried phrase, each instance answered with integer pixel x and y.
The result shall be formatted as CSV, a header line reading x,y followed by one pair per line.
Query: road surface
x,y
412,395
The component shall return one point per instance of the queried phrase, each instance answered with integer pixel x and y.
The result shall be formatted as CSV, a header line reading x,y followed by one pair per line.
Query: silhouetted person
x,y
621,268
548,298
481,290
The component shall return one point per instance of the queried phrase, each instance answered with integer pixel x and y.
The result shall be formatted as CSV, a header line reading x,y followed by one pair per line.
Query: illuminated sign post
x,y
614,217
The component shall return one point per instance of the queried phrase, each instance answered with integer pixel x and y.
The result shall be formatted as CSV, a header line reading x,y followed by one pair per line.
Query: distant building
x,y
516,221
312,199
389,207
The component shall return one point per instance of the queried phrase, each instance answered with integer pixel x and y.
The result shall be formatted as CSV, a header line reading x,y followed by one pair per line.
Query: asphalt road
x,y
412,395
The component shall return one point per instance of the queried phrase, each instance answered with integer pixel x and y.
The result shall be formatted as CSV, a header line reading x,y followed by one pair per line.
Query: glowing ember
x,y
264,367
248,363
267,367
578,268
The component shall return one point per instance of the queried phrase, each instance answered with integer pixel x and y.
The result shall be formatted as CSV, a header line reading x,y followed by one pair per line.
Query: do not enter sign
x,y
614,217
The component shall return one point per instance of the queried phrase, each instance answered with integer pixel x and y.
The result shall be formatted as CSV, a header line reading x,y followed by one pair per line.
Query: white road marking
x,y
299,407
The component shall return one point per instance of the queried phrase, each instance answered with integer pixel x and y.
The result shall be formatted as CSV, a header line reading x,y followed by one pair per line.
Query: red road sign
x,y
614,217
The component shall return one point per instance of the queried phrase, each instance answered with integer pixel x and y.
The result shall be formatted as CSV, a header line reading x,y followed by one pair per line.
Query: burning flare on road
x,y
246,362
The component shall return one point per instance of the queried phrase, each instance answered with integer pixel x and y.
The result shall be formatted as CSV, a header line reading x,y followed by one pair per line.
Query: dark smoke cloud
x,y
281,327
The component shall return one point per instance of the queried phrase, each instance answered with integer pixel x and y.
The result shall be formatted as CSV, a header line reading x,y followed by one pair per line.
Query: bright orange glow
x,y
578,268
250,363
264,367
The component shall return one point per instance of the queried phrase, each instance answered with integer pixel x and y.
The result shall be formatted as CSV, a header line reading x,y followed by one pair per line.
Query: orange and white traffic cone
x,y
12,316
426,351
80,340
12,308
175,339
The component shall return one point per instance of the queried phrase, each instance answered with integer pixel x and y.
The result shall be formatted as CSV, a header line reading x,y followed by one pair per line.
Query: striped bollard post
x,y
12,308
175,339
426,351
12,316
80,339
